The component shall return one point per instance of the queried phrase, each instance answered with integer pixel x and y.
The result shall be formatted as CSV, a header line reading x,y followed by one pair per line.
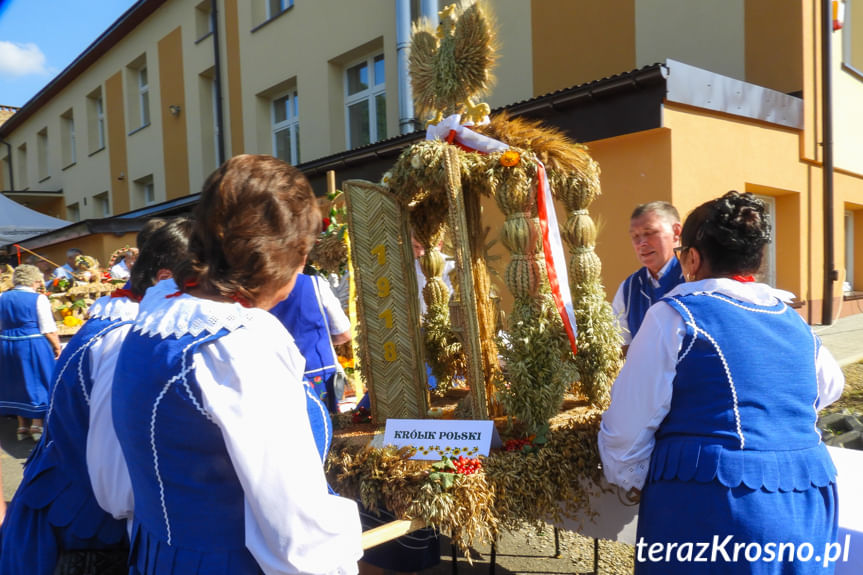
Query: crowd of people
x,y
184,428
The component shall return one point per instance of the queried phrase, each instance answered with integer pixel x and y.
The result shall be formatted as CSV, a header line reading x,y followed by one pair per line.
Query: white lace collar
x,y
751,292
113,308
166,315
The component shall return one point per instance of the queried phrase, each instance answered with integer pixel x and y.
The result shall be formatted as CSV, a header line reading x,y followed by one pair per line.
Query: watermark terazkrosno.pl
x,y
727,550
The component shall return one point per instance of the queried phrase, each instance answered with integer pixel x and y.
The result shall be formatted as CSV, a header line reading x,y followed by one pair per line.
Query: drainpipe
x,y
830,273
403,42
11,173
217,81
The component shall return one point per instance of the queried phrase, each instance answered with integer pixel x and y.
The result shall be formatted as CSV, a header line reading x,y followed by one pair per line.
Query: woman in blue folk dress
x,y
222,439
29,346
712,419
54,521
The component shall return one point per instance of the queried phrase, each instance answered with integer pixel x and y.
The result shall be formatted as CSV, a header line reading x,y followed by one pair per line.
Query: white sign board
x,y
435,438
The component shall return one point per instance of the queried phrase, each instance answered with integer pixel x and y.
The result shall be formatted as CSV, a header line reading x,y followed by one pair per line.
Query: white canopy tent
x,y
19,222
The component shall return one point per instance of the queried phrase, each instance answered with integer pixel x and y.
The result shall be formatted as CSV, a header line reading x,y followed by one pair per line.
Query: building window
x,y
67,140
852,36
73,213
203,19
21,172
42,154
767,271
138,98
144,96
95,121
102,204
276,7
366,102
145,190
286,128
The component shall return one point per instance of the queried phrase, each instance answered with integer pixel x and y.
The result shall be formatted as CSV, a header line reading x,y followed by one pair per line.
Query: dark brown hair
x,y
729,232
148,228
254,225
166,247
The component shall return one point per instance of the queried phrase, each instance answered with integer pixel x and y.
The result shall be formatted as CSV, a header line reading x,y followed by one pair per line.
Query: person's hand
x,y
57,351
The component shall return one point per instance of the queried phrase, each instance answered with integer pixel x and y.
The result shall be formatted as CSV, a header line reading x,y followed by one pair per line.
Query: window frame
x,y
767,273
143,94
290,124
284,6
369,94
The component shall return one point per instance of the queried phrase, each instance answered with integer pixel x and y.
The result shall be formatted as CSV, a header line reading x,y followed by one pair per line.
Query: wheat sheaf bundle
x,y
451,66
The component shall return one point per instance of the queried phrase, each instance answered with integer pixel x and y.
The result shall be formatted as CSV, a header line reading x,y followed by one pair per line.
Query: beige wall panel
x,y
312,42
774,44
847,106
636,168
514,69
172,92
578,41
199,113
707,33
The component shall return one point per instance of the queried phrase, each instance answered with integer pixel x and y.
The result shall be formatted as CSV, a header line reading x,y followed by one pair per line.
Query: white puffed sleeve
x,y
46,318
831,380
105,462
641,398
337,321
250,381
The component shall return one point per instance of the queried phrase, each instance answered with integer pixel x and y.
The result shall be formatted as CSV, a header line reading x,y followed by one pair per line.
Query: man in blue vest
x,y
654,229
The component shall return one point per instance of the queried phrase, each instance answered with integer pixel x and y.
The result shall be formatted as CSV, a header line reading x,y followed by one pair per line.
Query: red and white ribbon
x,y
555,260
451,130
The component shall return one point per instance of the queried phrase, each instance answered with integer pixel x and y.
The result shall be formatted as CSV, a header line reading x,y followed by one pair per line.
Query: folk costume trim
x,y
697,330
194,317
111,307
186,367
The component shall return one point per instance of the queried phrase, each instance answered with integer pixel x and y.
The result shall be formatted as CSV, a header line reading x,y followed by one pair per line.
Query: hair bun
x,y
738,222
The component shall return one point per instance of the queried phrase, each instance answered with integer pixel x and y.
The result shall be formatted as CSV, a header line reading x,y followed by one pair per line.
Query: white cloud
x,y
21,59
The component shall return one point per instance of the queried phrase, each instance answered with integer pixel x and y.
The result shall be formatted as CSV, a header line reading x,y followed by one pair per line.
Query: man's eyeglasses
x,y
678,251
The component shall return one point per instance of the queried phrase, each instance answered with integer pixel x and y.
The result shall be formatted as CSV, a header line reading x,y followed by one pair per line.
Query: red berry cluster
x,y
467,465
361,415
516,444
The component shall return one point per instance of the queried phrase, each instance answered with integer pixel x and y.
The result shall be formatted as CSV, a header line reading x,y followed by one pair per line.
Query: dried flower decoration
x,y
510,158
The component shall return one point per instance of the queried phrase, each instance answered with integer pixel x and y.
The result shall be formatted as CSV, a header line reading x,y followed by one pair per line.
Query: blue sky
x,y
39,38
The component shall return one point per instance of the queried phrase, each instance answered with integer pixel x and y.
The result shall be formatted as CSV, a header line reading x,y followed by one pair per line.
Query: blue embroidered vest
x,y
639,293
743,405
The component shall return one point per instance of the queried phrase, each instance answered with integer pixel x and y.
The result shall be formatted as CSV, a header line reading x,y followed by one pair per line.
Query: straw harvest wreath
x,y
554,463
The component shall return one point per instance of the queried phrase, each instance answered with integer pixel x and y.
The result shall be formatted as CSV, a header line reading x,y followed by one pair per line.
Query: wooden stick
x,y
390,531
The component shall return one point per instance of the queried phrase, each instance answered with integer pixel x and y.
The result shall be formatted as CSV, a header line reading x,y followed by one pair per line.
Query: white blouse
x,y
641,394
43,311
251,386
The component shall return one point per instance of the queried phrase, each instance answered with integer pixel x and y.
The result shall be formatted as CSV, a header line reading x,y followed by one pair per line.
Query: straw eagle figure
x,y
451,66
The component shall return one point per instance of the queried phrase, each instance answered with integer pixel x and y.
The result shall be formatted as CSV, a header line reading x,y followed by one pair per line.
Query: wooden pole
x,y
390,531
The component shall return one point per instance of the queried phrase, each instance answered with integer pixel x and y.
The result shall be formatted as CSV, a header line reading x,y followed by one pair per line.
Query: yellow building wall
x,y
172,92
636,168
99,246
578,41
714,154
774,44
116,142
